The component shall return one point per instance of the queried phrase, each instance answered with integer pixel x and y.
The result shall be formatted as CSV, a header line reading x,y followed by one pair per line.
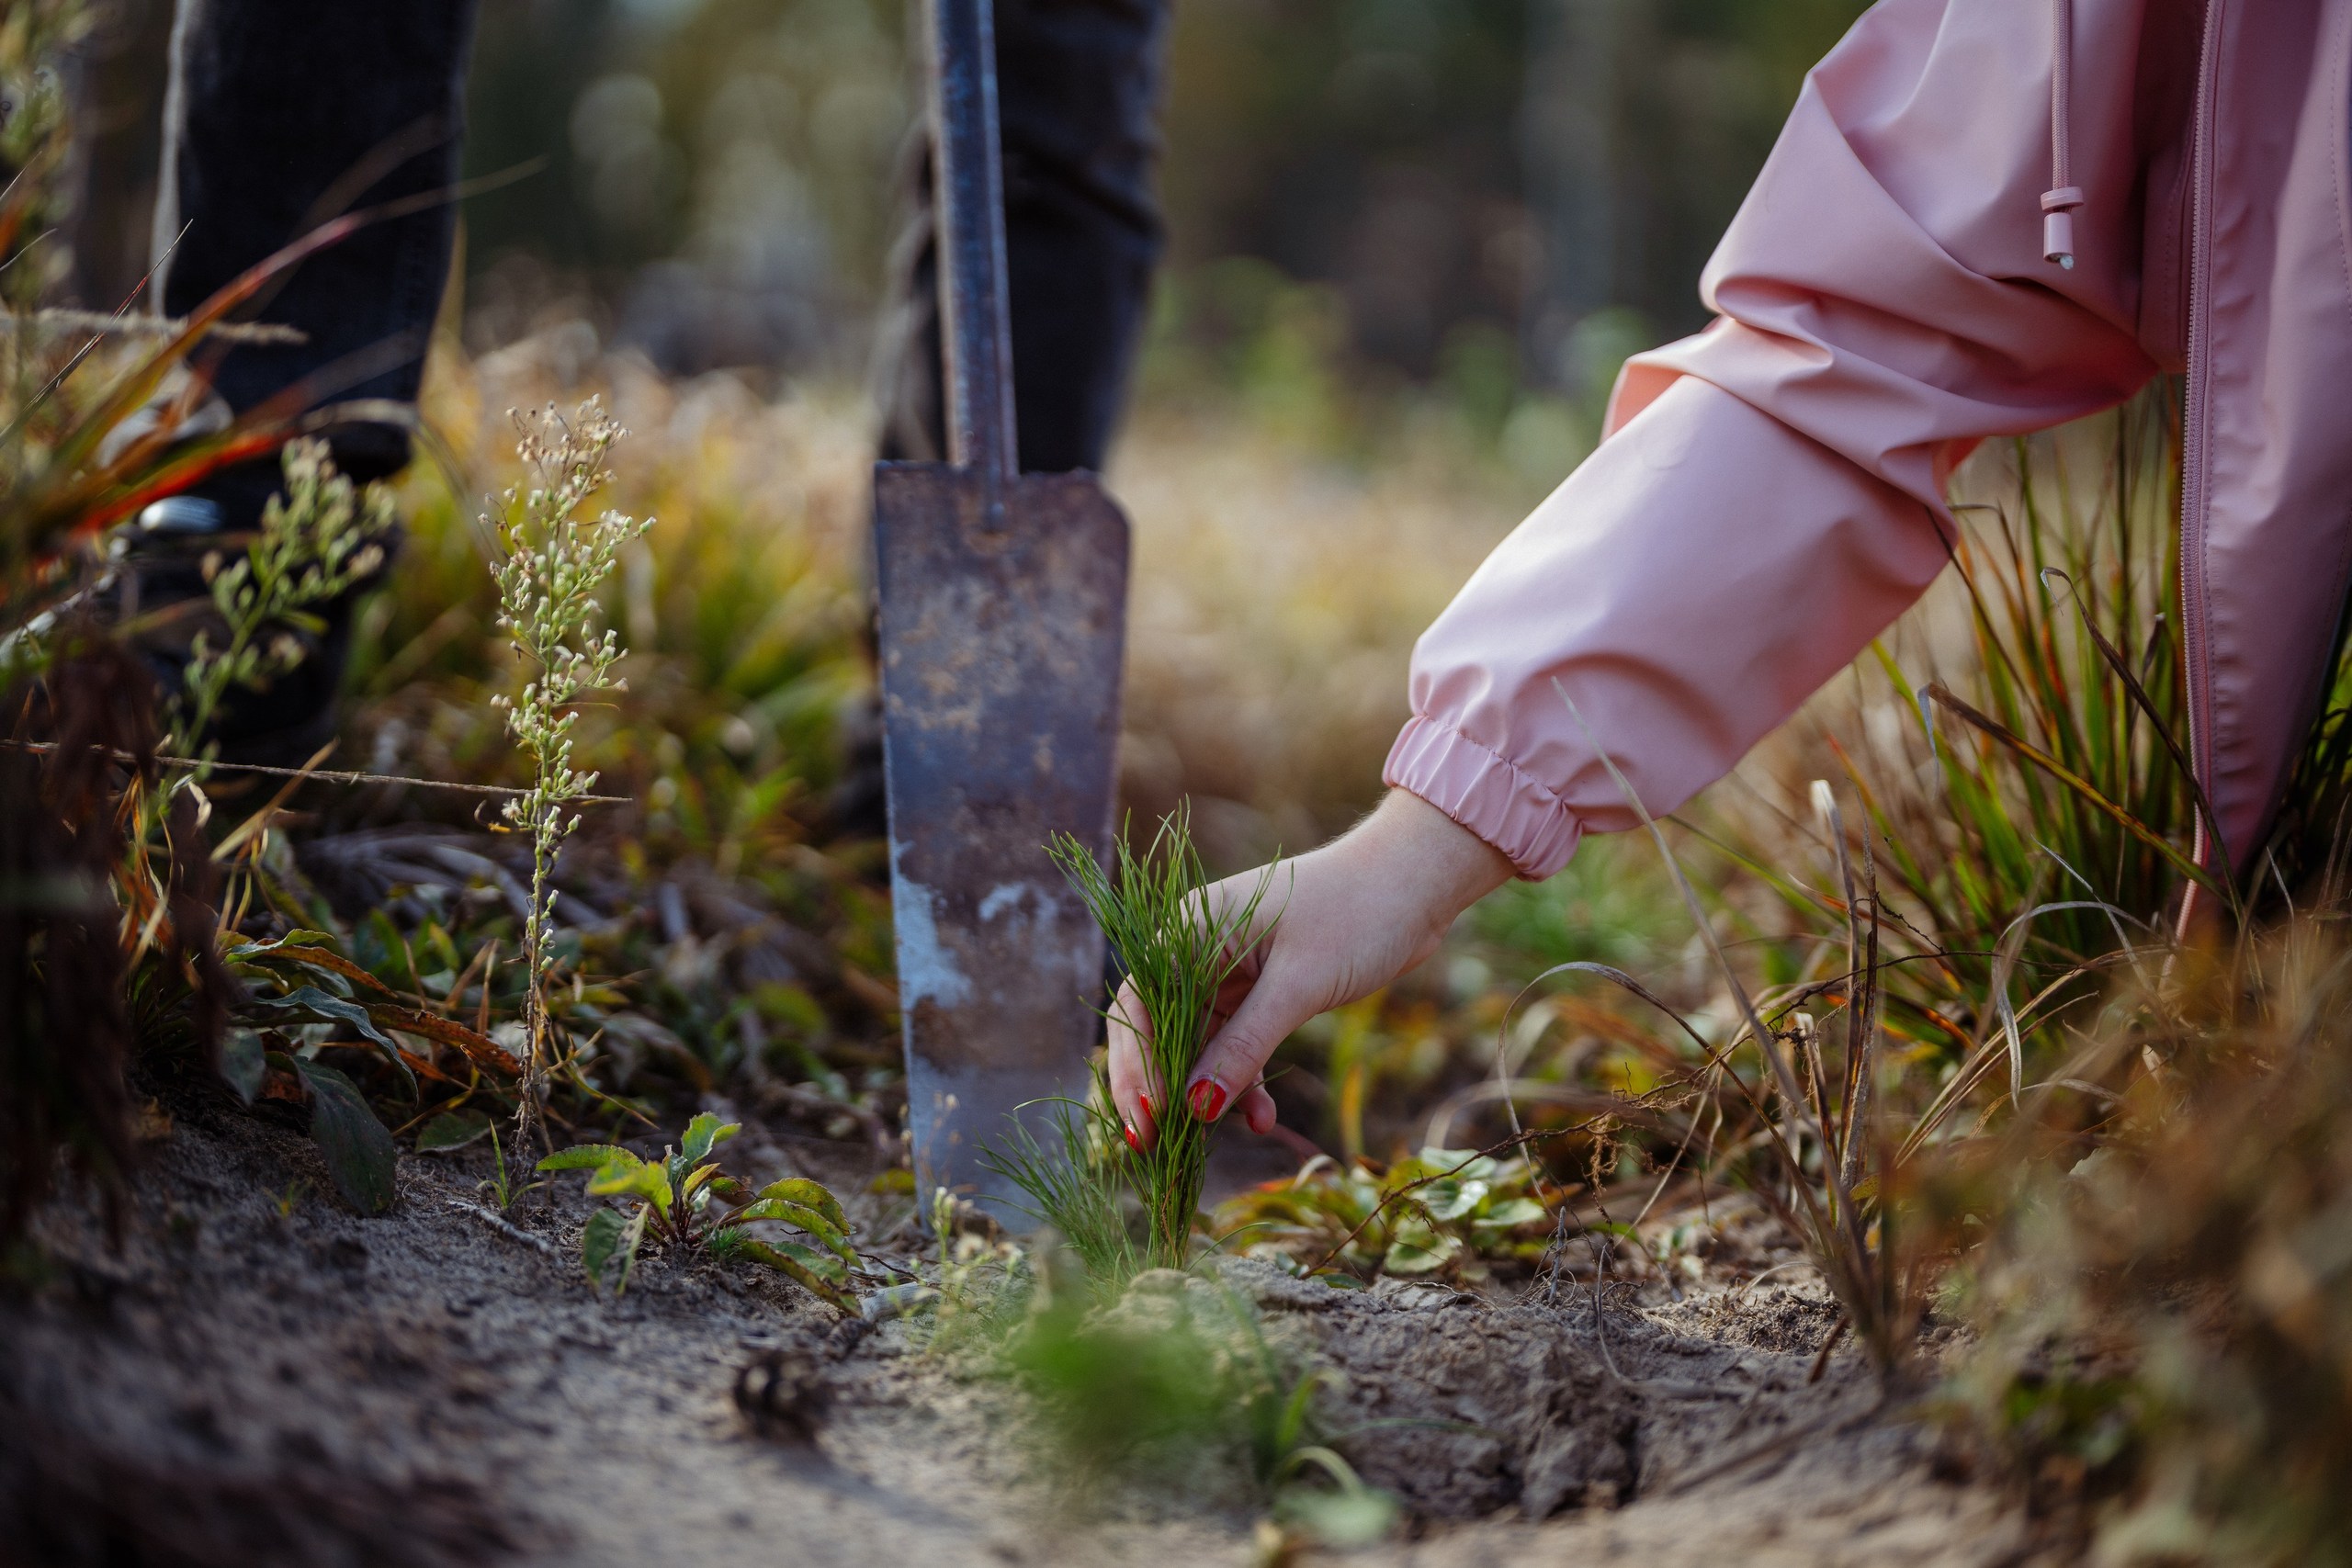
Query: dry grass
x,y
2166,1294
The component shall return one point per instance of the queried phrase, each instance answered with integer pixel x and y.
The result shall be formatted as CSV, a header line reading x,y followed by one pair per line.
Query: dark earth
x,y
256,1375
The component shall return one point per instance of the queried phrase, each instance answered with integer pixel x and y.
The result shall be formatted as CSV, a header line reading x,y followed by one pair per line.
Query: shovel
x,y
1002,629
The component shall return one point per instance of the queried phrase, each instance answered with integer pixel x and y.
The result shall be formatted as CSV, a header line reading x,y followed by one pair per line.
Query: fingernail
x,y
1208,1099
1132,1141
1149,1108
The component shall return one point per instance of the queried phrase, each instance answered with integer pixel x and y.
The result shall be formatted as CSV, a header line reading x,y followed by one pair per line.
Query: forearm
x,y
1431,861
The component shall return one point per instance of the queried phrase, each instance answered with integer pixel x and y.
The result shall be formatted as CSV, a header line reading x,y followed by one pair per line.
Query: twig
x,y
327,776
504,1225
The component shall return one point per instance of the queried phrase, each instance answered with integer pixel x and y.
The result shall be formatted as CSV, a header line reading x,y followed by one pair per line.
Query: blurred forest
x,y
1489,200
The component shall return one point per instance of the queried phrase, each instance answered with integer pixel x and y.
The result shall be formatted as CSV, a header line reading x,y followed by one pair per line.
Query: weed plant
x,y
1450,1209
499,1186
553,567
319,537
674,1197
980,1284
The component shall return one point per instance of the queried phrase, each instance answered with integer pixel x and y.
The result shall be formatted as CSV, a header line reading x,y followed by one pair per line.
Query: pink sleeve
x,y
1770,495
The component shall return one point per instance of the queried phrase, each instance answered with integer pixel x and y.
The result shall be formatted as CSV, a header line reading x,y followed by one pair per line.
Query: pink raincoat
x,y
1772,492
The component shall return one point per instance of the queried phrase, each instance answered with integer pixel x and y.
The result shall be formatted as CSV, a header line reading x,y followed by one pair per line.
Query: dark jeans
x,y
283,113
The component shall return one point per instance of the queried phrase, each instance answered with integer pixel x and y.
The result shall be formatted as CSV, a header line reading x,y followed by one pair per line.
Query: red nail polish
x,y
1149,1108
1132,1141
1208,1099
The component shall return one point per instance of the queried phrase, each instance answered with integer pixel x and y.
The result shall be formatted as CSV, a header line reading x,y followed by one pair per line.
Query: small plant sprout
x,y
552,567
499,1186
319,539
675,1195
1178,953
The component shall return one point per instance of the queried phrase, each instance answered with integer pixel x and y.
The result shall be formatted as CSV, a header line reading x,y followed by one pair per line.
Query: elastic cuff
x,y
1486,794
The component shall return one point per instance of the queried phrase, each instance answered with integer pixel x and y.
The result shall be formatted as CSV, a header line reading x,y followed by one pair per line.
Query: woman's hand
x,y
1335,925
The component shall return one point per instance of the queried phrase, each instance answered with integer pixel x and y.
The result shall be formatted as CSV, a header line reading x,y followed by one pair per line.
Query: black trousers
x,y
282,113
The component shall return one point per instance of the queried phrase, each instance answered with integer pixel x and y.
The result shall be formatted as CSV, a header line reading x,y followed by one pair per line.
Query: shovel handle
x,y
969,183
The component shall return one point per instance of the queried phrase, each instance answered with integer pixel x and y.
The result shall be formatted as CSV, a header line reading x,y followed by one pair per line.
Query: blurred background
x,y
1488,202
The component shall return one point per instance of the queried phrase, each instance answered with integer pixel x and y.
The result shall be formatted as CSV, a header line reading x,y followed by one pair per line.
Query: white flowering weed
x,y
552,565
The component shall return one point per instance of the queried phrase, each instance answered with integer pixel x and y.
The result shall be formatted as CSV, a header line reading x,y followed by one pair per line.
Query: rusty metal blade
x,y
1000,653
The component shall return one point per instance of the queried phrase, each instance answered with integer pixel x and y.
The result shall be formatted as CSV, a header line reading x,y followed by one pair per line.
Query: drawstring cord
x,y
2059,202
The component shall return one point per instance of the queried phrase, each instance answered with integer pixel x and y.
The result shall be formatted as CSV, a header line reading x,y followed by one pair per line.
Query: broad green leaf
x,y
818,1263
598,1241
632,1237
360,1152
317,1004
1512,1213
704,1133
452,1130
812,1194
650,1182
1467,1164
1450,1198
807,1219
588,1156
1418,1249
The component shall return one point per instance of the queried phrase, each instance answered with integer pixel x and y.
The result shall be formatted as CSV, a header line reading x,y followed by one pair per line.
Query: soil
x,y
256,1376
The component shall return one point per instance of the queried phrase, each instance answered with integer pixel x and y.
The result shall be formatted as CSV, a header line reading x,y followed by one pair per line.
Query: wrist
x,y
1432,858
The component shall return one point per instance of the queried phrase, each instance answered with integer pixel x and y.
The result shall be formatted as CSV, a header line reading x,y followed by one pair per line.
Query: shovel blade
x,y
1002,645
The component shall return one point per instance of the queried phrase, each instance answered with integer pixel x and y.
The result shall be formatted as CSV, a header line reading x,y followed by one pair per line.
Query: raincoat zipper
x,y
2197,654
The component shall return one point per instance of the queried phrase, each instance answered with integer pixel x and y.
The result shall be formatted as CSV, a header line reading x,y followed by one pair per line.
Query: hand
x,y
1335,925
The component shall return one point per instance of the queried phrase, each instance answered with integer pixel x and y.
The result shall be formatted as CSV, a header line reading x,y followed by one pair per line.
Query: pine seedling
x,y
1178,952
552,566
